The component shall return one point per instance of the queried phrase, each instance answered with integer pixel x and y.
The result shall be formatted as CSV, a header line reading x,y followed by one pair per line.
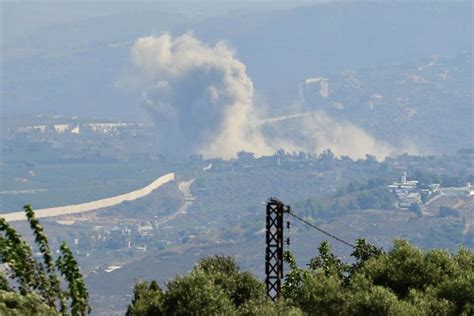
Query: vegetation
x,y
355,196
215,286
446,180
403,281
36,281
15,304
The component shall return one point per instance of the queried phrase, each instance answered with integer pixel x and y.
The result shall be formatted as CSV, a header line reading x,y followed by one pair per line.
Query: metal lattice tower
x,y
274,248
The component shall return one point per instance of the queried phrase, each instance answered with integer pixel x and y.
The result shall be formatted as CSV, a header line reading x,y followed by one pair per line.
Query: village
x,y
411,194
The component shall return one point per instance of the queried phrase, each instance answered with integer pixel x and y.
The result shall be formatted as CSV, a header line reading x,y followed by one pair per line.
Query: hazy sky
x,y
75,58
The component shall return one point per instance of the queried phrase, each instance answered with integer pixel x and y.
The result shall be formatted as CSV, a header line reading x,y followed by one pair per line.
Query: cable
x,y
330,235
322,230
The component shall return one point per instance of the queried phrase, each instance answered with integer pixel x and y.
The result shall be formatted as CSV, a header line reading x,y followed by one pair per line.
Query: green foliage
x,y
404,281
147,299
355,196
314,291
327,262
377,198
38,281
15,304
321,288
362,253
292,288
77,291
239,286
19,256
425,179
4,286
264,307
356,186
215,286
196,294
50,282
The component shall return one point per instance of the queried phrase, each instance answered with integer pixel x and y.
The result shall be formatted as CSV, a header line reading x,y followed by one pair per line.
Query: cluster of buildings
x,y
408,192
103,128
135,236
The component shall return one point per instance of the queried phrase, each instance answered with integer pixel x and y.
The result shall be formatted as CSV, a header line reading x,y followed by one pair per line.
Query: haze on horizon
x,y
206,74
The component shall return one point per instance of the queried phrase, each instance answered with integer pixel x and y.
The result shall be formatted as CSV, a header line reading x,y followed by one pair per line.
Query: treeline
x,y
356,186
372,194
426,178
403,281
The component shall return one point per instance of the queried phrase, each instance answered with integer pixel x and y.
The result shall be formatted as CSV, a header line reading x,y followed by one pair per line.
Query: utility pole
x,y
274,247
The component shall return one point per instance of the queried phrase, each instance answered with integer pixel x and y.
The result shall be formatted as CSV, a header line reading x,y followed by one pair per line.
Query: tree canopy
x,y
402,281
215,286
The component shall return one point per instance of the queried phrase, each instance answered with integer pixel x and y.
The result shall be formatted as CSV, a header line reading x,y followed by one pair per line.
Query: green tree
x,y
328,262
403,281
147,299
215,286
15,304
38,280
196,294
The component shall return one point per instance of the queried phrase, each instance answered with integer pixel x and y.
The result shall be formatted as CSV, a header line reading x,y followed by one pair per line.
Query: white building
x,y
407,191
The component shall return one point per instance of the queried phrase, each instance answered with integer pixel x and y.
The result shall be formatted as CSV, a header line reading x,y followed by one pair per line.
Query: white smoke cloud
x,y
317,131
203,102
201,96
344,138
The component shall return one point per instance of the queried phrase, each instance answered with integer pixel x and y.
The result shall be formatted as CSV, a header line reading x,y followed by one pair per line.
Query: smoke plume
x,y
202,100
201,97
317,131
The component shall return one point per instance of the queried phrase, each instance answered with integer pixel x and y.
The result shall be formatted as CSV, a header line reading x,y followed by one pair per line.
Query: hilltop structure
x,y
408,192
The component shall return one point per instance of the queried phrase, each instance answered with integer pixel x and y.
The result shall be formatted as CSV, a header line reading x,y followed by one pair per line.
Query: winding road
x,y
185,188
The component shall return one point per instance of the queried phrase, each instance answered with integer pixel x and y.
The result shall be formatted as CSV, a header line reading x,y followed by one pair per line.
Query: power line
x,y
274,261
322,230
369,252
